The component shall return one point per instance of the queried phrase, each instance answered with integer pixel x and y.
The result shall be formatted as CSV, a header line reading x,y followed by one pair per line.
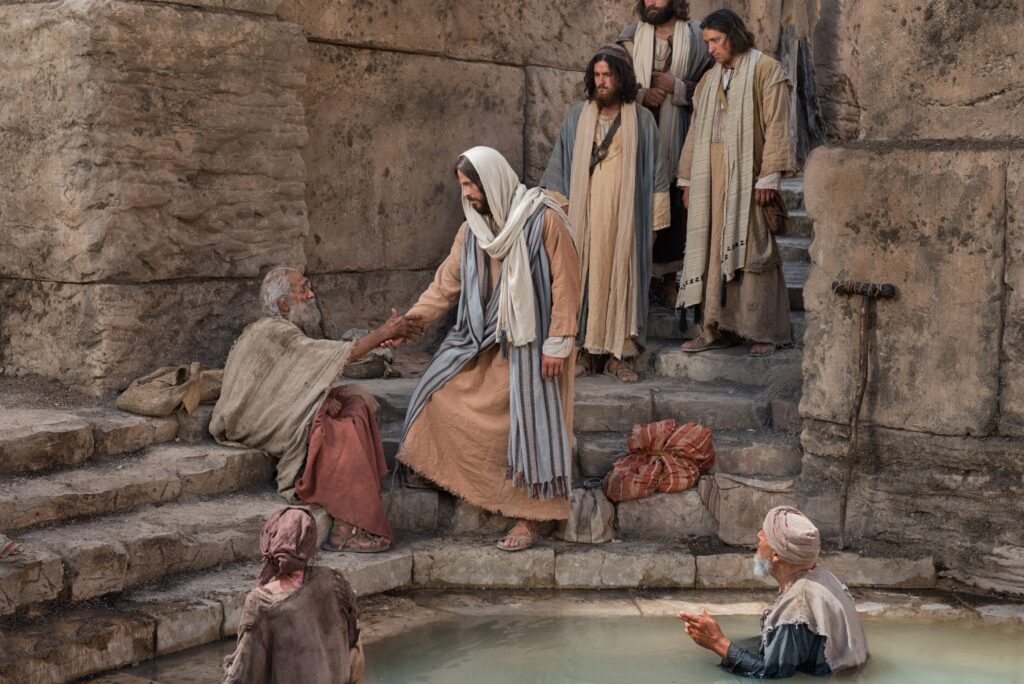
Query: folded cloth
x,y
663,457
171,388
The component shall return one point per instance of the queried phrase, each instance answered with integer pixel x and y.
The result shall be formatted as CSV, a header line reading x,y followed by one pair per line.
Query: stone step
x,y
796,277
34,440
663,324
794,248
793,193
800,224
780,372
110,554
162,474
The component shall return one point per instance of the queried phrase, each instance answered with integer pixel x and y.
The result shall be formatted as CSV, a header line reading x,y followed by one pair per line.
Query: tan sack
x,y
167,389
591,518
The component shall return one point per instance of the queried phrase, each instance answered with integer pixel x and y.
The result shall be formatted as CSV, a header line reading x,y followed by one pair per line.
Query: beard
x,y
762,566
307,316
606,98
481,207
658,15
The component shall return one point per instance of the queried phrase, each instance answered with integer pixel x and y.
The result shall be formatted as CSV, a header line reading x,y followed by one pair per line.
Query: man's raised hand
x,y
704,631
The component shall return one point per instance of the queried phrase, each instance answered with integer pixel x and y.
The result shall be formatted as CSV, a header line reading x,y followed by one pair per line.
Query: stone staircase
x,y
139,536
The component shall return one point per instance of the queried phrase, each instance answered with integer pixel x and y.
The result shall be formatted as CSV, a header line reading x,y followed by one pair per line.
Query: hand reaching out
x,y
399,329
704,631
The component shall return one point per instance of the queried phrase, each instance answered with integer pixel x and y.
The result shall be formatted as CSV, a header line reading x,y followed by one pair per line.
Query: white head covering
x,y
792,534
511,206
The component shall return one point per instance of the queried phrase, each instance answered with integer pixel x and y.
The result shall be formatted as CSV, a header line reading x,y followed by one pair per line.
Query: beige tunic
x,y
460,439
757,302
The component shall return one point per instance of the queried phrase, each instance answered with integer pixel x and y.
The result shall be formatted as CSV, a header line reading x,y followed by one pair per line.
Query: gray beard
x,y
307,316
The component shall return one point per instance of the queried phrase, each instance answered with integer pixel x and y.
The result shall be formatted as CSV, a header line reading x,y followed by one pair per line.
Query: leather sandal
x,y
377,544
518,532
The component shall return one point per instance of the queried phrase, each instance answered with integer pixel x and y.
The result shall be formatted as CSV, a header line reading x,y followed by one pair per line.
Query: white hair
x,y
275,285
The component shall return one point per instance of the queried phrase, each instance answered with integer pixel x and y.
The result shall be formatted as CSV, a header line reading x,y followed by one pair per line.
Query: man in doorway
x,y
491,419
812,628
730,170
607,166
669,58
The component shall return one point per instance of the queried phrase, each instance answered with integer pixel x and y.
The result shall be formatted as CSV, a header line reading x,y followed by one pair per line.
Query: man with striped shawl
x,y
669,57
491,419
607,166
730,169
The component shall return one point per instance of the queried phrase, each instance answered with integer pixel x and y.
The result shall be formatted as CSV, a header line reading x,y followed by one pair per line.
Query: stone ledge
x,y
456,563
621,566
34,440
33,575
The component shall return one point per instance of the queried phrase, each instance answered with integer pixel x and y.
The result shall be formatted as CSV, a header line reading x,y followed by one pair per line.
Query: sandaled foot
x,y
355,540
522,536
584,364
621,371
698,345
759,349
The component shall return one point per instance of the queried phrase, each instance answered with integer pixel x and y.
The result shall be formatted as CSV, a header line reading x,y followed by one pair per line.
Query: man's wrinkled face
x,y
606,86
763,557
719,46
658,12
473,194
301,304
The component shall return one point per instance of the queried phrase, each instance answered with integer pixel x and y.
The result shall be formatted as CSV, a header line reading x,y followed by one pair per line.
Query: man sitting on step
x,y
813,626
282,393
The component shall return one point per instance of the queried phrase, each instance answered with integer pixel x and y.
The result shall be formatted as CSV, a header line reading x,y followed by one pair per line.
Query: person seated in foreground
x,y
313,636
813,626
282,394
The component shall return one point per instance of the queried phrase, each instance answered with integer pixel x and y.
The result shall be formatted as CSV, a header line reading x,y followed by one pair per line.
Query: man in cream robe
x,y
281,393
731,168
669,57
491,419
607,166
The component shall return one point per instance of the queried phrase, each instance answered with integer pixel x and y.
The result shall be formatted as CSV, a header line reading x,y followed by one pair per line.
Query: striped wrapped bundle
x,y
663,457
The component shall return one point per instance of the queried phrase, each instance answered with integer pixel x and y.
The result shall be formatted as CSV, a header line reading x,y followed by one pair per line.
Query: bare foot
x,y
621,371
761,349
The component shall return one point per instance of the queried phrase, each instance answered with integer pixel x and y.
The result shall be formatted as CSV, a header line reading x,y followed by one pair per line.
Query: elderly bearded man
x,y
491,419
813,626
607,165
731,166
669,57
281,393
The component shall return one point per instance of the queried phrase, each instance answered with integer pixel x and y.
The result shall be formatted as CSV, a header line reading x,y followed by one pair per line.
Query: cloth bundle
x,y
591,518
171,388
663,457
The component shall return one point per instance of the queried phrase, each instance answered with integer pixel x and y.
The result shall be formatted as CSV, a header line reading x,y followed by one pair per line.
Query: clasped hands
x,y
663,84
401,328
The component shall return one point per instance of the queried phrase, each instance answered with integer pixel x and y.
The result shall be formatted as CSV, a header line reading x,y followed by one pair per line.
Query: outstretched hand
x,y
704,631
399,329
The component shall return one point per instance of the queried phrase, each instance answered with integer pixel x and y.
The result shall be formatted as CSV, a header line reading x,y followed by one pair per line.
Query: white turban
x,y
792,534
511,205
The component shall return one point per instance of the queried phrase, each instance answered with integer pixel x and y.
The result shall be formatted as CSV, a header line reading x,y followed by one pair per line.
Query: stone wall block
x,y
566,34
382,192
100,337
175,158
549,95
939,239
406,25
1012,396
364,300
966,81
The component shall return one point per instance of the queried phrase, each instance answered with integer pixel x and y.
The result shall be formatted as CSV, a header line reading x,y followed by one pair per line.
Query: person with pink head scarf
x,y
812,627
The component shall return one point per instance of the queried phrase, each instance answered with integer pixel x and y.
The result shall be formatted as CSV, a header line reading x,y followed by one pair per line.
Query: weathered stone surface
x,y
597,451
393,395
31,576
717,409
406,25
965,83
780,371
373,574
786,416
1011,398
566,34
729,571
743,503
756,454
549,94
864,571
469,519
117,432
99,337
195,427
214,469
32,440
64,649
603,406
170,159
182,624
376,172
676,516
411,510
941,244
621,566
94,567
365,300
835,47
249,6
471,564
763,17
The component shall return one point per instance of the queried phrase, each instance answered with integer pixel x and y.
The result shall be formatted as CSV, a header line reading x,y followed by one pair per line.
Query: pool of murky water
x,y
635,650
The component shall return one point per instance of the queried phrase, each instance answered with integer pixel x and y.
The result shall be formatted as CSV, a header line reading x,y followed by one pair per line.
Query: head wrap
x,y
288,542
615,51
511,206
792,534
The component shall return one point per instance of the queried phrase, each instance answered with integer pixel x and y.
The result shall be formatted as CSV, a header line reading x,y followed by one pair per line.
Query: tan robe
x,y
460,439
757,302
